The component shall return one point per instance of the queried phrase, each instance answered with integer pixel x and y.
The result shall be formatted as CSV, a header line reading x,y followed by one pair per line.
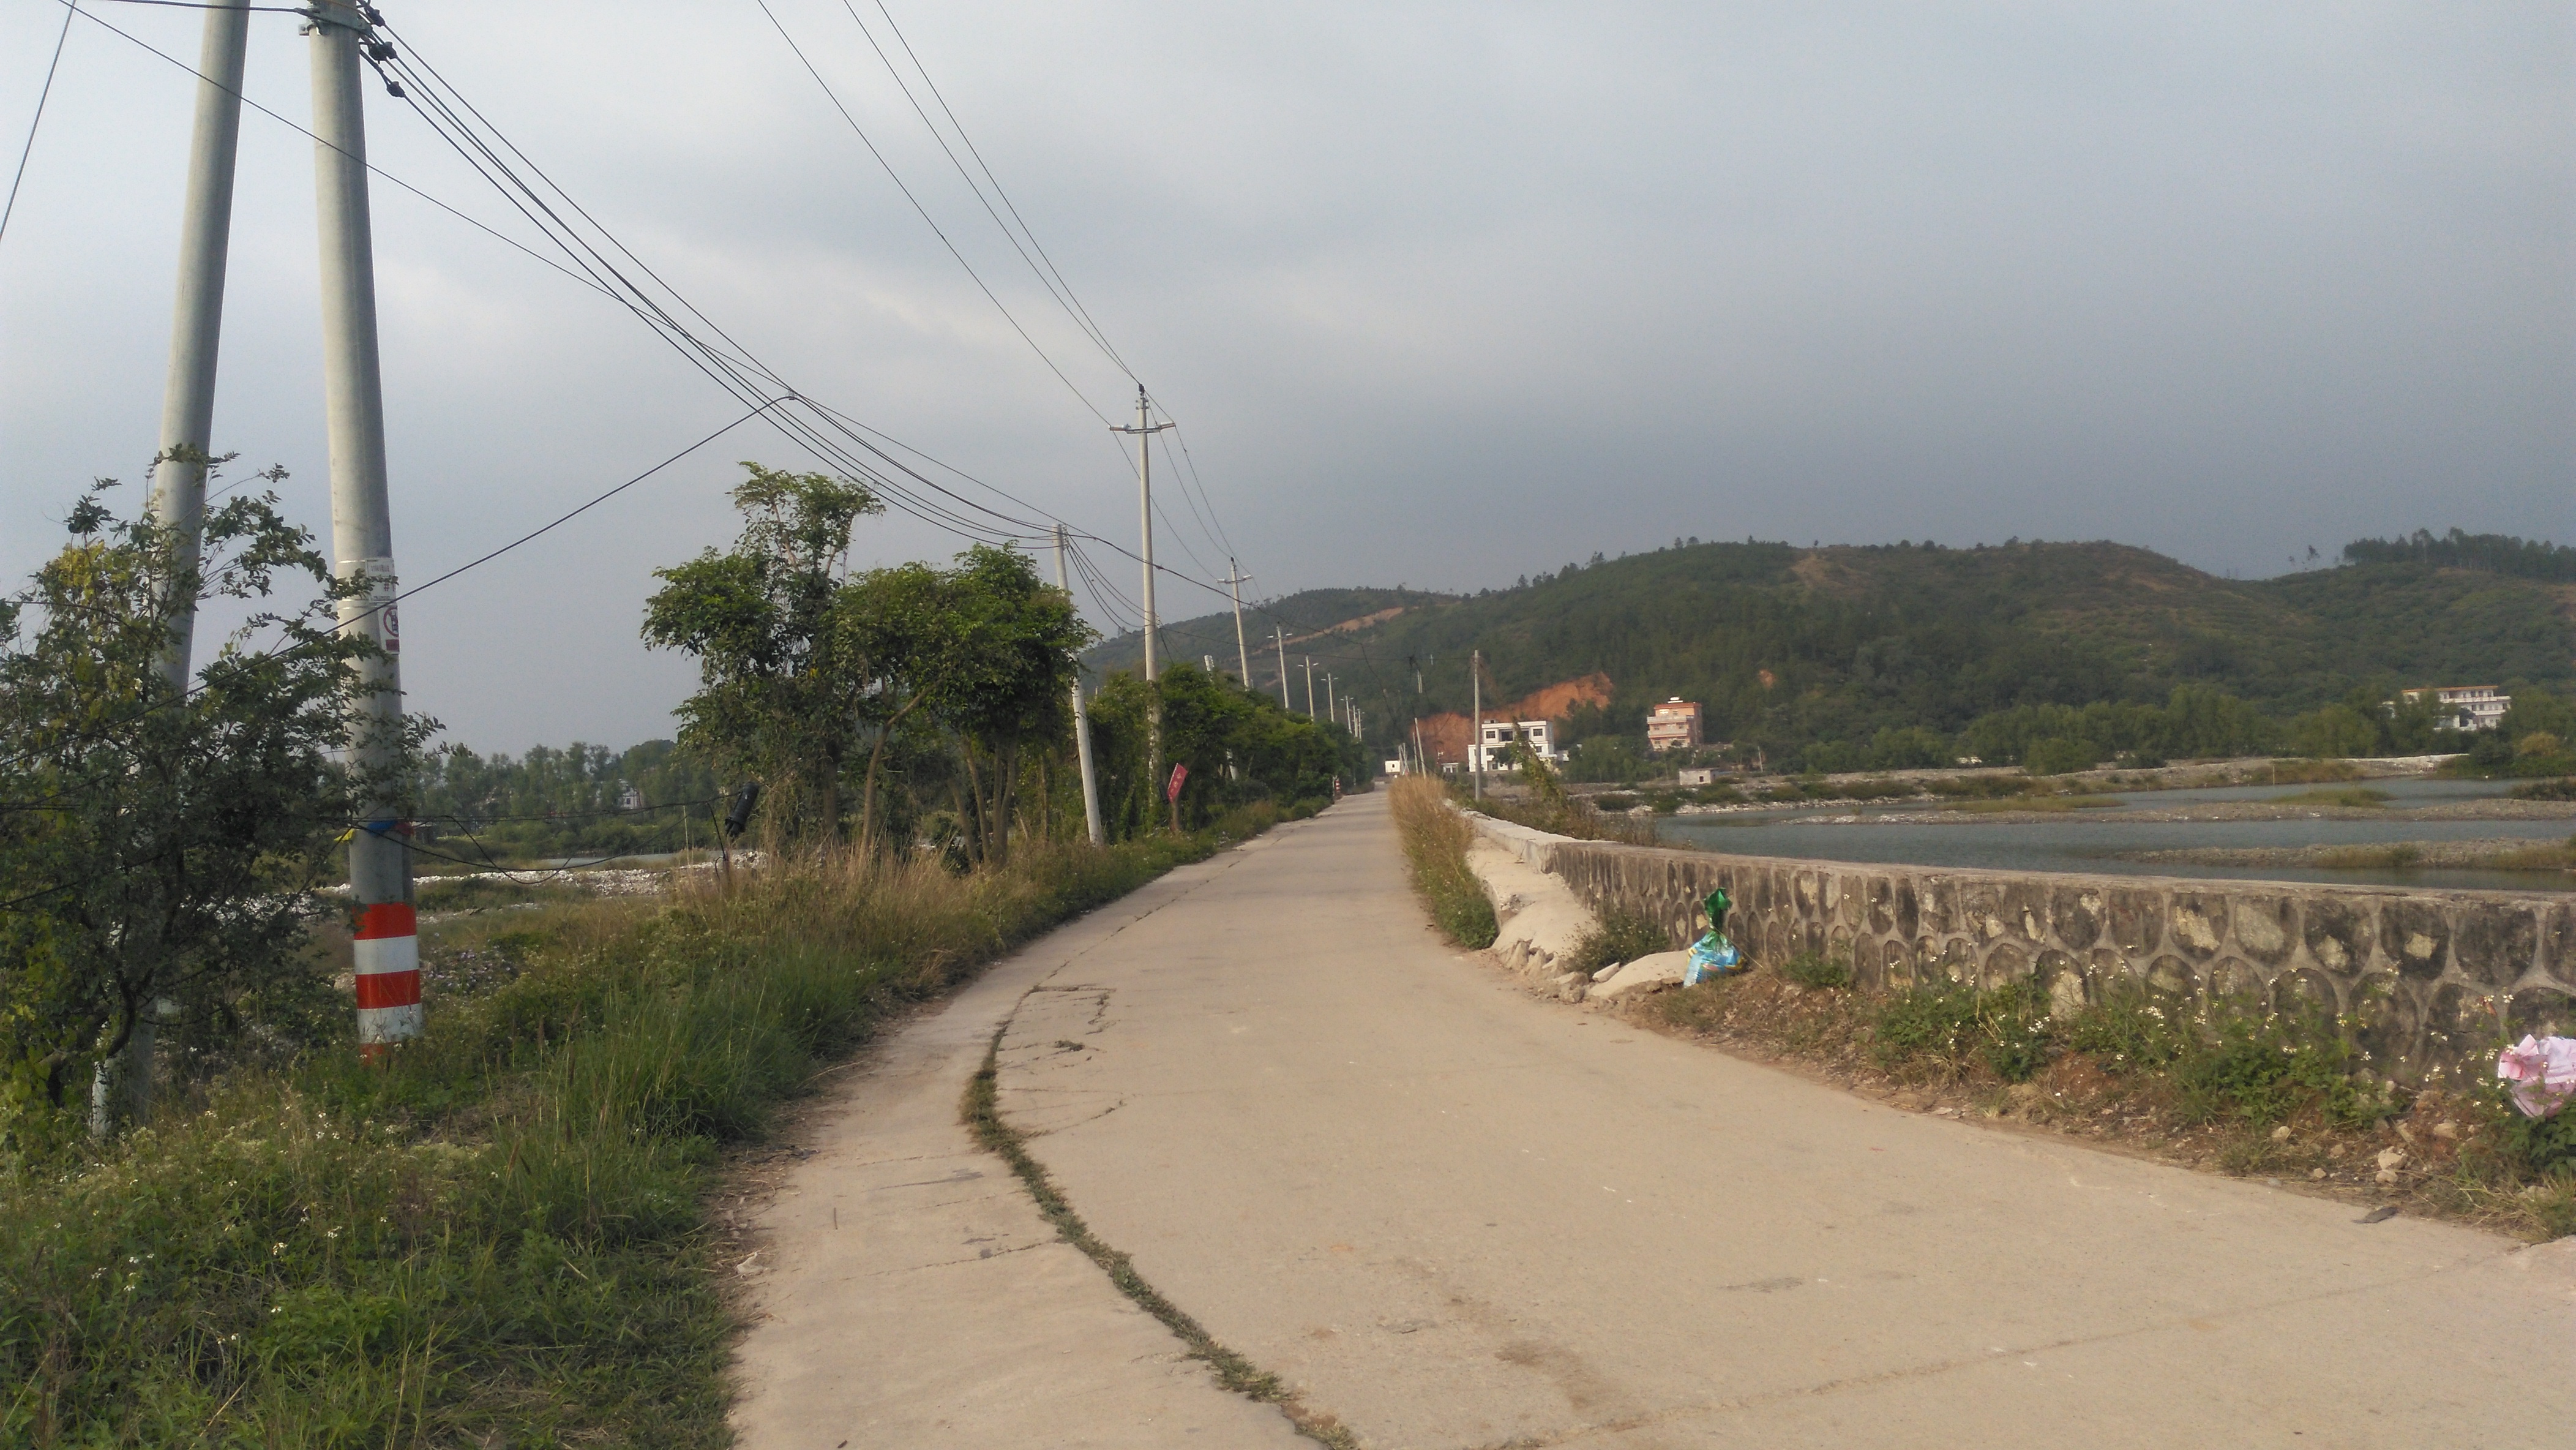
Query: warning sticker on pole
x,y
1172,792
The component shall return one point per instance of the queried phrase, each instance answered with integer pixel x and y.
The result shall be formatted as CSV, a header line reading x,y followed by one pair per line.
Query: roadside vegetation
x,y
1435,859
2286,1096
499,1235
2211,1083
500,1239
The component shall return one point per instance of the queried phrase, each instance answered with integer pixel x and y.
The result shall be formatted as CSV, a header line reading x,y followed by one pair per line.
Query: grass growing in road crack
x,y
982,1114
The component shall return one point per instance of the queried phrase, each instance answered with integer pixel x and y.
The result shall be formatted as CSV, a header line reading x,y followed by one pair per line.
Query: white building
x,y
1494,753
1699,775
2466,707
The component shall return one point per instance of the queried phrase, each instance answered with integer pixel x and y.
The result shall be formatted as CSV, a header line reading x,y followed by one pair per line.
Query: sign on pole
x,y
1172,792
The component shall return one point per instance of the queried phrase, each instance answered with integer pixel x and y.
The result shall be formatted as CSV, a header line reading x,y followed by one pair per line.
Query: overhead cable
x,y
43,93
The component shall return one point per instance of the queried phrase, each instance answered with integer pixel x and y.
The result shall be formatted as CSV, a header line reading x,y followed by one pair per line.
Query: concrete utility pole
x,y
1144,432
1310,687
362,534
1081,715
1329,707
1476,740
178,498
1235,579
1281,631
197,321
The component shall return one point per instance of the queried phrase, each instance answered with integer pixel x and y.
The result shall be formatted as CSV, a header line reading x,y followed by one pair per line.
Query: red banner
x,y
1180,773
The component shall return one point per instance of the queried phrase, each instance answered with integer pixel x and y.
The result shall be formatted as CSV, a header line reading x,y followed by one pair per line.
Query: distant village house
x,y
1494,751
2465,707
1673,725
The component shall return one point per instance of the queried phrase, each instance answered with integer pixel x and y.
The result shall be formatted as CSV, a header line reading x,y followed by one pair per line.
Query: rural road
x,y
1450,1215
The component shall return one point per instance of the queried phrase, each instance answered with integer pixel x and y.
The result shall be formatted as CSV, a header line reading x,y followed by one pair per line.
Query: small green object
x,y
1717,906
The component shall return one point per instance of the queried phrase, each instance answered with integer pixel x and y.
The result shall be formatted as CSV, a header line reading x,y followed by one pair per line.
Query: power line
x,y
861,132
129,37
1049,276
71,9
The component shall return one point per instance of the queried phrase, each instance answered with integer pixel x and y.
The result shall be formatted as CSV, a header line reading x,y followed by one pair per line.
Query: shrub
x,y
1617,936
1814,969
1937,1019
2060,754
2262,1070
1956,1025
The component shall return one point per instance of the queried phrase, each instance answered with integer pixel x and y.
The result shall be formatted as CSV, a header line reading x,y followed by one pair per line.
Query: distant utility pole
x,y
178,498
1329,707
362,535
1281,631
1476,740
1144,432
1235,579
1310,687
1081,715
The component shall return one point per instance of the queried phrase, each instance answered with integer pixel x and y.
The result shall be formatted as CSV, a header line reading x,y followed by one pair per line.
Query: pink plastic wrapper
x,y
2543,1073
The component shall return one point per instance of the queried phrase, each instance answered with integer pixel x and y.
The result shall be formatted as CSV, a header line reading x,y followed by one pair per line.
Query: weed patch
x,y
1435,843
1616,936
1816,970
500,1238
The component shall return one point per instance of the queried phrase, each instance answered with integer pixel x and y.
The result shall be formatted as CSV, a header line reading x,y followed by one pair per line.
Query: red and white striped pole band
x,y
386,937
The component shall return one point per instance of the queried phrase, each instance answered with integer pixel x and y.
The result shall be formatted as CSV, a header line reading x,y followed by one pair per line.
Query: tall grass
x,y
1435,855
500,1240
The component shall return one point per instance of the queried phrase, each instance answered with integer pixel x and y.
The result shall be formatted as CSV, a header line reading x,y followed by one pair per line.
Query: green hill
x,y
1790,648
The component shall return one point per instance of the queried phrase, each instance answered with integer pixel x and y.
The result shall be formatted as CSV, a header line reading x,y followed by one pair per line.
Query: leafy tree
x,y
779,699
988,649
160,849
2333,733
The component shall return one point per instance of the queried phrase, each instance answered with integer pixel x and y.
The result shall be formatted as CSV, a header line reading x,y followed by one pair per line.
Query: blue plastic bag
x,y
1712,955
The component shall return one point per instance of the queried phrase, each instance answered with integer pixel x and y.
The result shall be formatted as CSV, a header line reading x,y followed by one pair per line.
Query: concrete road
x,y
906,1291
1452,1215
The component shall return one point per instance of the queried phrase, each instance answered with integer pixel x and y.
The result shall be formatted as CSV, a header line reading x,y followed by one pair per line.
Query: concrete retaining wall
x,y
2427,976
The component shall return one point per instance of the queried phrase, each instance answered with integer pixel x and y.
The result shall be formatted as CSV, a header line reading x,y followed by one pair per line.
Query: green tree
x,y
780,698
2333,733
160,849
984,656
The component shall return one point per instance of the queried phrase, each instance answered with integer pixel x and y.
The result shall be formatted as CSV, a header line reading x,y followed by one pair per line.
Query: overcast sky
x,y
1441,294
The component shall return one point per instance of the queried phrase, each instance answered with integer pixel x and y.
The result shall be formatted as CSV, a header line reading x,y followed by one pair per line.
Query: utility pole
x,y
1081,715
1235,579
1310,687
1144,432
1329,707
1476,741
178,498
362,534
196,326
1281,631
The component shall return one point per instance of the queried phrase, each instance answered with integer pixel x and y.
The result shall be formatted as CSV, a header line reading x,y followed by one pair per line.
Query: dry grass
x,y
1435,840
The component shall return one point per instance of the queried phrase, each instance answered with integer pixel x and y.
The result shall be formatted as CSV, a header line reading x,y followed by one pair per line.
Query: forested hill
x,y
1788,646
